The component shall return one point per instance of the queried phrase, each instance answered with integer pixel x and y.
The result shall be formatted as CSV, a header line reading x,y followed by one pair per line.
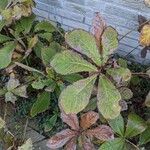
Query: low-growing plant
x,y
10,142
82,132
90,53
135,126
22,37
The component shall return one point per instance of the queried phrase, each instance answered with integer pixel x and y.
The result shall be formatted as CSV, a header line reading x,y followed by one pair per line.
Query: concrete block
x,y
45,7
79,9
75,24
70,15
80,2
41,13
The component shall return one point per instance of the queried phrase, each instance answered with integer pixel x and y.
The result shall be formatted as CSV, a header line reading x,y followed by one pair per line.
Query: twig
x,y
131,51
5,111
133,30
25,129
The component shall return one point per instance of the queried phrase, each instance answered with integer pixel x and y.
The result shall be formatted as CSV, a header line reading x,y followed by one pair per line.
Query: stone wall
x,y
121,14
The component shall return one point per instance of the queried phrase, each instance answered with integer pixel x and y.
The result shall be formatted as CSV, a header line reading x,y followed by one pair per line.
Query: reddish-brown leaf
x,y
98,27
87,144
144,52
88,119
71,145
123,104
102,132
61,138
142,21
71,120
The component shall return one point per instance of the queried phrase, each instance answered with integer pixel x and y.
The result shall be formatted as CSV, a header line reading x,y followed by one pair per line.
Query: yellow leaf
x,y
145,35
32,42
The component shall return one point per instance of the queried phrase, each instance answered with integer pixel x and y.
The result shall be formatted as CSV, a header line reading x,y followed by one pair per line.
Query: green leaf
x,y
10,97
41,105
108,98
147,101
91,105
26,146
2,92
122,63
109,41
117,125
2,123
32,42
4,38
126,93
37,49
135,126
6,54
71,78
68,62
116,144
24,25
75,97
48,52
135,80
48,36
120,74
45,26
2,24
20,91
50,123
41,83
84,43
145,136
3,4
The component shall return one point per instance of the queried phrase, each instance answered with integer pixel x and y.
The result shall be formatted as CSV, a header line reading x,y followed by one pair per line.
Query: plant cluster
x,y
91,54
75,72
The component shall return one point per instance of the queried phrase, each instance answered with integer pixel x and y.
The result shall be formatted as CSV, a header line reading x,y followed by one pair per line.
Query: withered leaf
x,y
88,119
144,52
71,120
102,132
87,144
60,139
142,21
71,145
98,27
123,104
145,35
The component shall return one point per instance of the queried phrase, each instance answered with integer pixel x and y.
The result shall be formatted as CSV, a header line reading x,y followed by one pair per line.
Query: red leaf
x,y
98,27
60,139
88,119
71,120
102,132
87,144
71,145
